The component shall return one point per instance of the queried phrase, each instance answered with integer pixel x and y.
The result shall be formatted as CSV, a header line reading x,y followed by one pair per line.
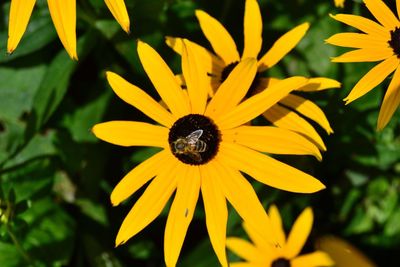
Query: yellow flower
x,y
378,42
339,3
227,57
264,252
63,14
204,148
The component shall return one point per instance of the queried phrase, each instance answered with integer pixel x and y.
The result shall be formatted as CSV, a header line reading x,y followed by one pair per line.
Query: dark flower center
x,y
194,139
395,41
281,262
253,88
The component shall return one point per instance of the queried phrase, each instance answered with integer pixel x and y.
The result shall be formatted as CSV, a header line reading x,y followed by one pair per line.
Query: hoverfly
x,y
190,145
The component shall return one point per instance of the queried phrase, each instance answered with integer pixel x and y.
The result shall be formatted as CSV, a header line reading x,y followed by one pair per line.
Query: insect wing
x,y
194,136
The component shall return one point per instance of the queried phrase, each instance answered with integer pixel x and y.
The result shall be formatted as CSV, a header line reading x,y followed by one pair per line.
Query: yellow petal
x,y
276,221
315,259
245,250
139,99
163,80
339,3
390,102
382,13
257,104
374,77
252,29
398,7
319,84
181,213
343,253
241,264
132,133
63,14
365,55
298,235
267,170
271,140
282,46
138,176
363,24
287,119
216,212
219,38
149,205
233,89
356,40
20,12
176,44
308,109
242,196
195,77
118,10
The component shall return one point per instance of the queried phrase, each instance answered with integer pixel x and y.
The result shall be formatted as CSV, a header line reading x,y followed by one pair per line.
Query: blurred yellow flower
x,y
378,42
265,252
339,3
204,148
226,57
63,14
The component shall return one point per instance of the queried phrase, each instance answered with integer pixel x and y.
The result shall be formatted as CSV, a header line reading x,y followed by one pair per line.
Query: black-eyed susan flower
x,y
378,42
339,3
226,57
205,148
63,14
262,252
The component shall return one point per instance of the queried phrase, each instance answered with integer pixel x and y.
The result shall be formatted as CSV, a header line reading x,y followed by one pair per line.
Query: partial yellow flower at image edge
x,y
203,151
63,14
377,42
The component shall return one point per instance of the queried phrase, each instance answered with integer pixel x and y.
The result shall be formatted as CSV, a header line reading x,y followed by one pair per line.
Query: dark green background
x,y
56,177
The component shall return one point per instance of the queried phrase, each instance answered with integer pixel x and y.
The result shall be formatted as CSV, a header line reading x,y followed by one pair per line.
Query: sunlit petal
x,y
233,89
267,170
276,221
374,77
63,14
287,119
219,38
390,102
139,175
245,250
118,9
365,55
136,97
363,24
271,140
195,77
257,104
308,109
319,84
252,29
163,80
282,46
132,133
216,211
149,205
382,13
20,12
298,235
356,40
181,213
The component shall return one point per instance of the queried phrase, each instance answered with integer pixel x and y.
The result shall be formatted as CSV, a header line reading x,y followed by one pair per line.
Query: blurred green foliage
x,y
55,177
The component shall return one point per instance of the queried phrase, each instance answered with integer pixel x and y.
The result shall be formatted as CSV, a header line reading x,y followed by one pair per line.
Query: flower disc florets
x,y
194,139
281,262
395,41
